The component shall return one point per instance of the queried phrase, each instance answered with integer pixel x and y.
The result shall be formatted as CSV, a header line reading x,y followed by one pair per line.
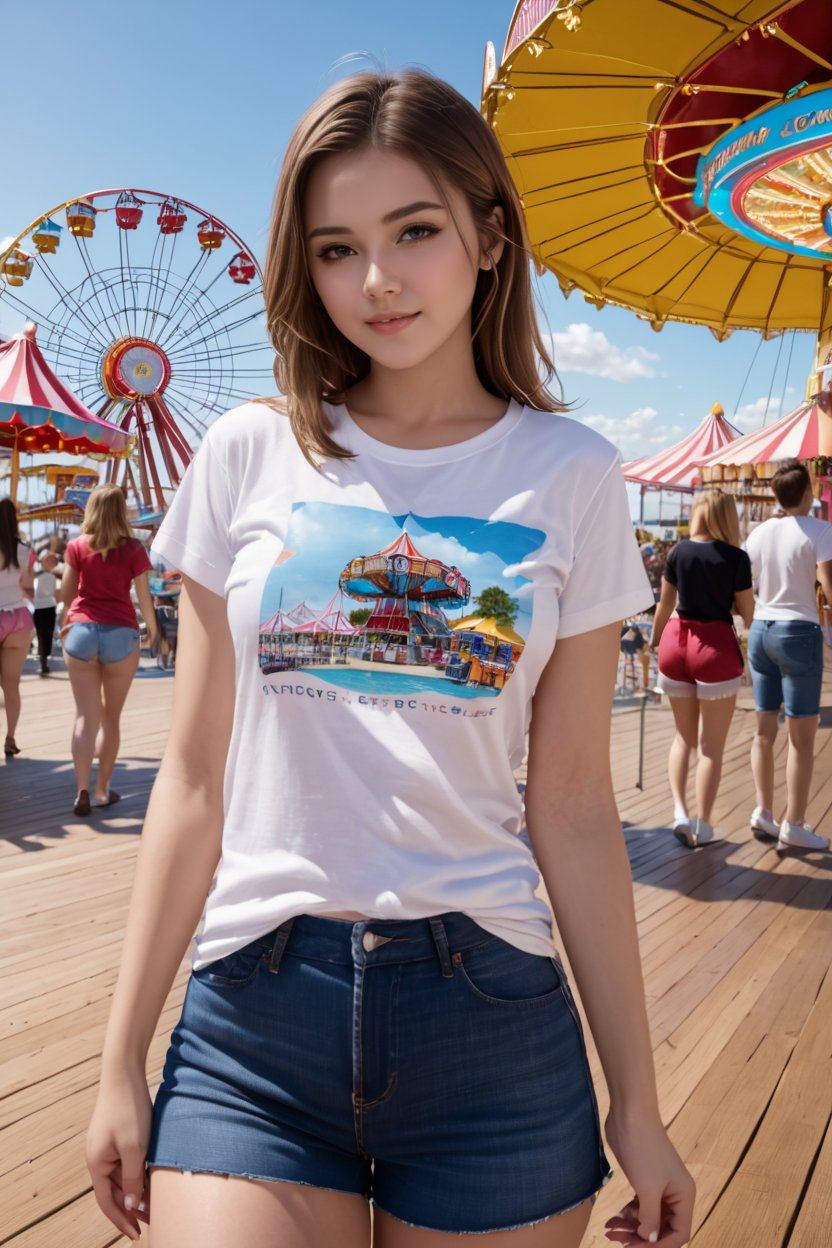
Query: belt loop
x,y
440,938
281,940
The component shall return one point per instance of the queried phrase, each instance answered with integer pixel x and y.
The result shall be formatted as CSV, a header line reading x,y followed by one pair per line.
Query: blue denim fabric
x,y
108,642
786,661
441,1073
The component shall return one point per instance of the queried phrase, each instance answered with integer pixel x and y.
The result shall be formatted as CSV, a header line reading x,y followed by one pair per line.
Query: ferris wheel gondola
x,y
151,310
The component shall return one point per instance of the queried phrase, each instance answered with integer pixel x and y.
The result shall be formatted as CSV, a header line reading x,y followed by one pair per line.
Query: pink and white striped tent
x,y
677,467
800,434
331,620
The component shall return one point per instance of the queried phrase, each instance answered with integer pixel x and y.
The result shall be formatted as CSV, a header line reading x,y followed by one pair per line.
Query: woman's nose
x,y
378,281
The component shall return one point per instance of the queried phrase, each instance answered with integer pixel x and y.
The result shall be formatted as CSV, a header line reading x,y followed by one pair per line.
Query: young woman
x,y
700,660
101,635
785,652
374,1009
16,625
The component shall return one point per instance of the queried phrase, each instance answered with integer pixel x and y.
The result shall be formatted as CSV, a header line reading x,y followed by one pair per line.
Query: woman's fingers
x,y
109,1196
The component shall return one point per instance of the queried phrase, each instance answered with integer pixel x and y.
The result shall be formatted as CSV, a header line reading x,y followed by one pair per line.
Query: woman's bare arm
x,y
576,834
146,604
182,833
744,605
665,608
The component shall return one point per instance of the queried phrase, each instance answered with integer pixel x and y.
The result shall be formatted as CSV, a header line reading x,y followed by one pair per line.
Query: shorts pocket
x,y
800,652
236,969
500,974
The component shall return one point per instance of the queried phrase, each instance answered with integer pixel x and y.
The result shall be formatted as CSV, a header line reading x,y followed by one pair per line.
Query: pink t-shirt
x,y
104,584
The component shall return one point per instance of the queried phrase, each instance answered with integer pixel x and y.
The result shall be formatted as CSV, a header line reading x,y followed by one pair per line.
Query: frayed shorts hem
x,y
345,1191
705,691
493,1230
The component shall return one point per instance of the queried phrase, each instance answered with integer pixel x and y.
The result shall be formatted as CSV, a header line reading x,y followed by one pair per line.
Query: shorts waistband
x,y
375,941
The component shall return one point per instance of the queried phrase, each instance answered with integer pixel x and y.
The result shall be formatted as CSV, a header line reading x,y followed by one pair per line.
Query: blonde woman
x,y
101,635
707,579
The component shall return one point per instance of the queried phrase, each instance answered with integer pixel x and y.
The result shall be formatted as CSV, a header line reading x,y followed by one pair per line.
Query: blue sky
x,y
198,99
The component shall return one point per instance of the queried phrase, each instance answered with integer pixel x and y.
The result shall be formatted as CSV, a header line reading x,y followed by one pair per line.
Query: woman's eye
x,y
415,233
336,251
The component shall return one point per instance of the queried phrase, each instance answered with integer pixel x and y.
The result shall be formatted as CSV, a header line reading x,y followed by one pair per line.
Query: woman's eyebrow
x,y
421,205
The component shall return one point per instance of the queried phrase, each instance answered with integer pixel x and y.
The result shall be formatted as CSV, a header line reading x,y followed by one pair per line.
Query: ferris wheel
x,y
151,310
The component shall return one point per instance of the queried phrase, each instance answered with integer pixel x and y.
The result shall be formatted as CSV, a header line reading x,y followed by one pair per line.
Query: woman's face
x,y
394,270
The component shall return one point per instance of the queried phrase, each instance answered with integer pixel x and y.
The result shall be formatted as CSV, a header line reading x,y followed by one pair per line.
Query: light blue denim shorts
x,y
426,1065
786,661
109,643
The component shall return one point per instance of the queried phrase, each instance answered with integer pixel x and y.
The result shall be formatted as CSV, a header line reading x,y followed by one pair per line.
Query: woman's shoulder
x,y
568,442
248,424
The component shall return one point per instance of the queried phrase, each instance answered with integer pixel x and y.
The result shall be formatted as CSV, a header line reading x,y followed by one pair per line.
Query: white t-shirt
x,y
784,553
371,763
45,585
11,595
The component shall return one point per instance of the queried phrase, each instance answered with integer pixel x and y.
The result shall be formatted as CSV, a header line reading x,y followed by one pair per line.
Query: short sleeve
x,y
194,535
607,581
141,560
71,556
742,577
29,557
823,546
670,574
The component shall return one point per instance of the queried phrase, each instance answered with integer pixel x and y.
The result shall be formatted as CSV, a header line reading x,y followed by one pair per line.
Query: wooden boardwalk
x,y
736,947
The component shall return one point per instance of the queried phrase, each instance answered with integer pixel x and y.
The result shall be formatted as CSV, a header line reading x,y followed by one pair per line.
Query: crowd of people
x,y
772,584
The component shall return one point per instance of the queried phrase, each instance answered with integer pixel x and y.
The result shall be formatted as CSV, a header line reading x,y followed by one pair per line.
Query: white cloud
x,y
582,349
750,415
641,433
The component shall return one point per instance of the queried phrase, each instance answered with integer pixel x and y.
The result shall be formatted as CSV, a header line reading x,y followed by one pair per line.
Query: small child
x,y
45,604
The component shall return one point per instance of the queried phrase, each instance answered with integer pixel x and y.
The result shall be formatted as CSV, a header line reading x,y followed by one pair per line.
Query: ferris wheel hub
x,y
134,368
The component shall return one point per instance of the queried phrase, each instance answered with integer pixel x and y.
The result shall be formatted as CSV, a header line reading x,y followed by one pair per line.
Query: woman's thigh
x,y
565,1230
116,679
13,651
218,1212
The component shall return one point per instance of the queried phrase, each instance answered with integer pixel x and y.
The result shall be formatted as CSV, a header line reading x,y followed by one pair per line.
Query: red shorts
x,y
16,620
699,658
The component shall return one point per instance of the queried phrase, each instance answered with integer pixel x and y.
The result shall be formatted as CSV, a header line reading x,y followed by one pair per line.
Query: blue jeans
x,y
425,1064
786,661
110,643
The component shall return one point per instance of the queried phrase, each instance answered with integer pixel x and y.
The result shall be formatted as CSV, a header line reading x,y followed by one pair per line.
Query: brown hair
x,y
719,515
9,535
105,519
425,119
790,482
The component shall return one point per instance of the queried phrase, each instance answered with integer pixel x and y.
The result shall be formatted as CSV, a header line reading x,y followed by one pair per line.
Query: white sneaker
x,y
763,826
683,831
704,833
799,836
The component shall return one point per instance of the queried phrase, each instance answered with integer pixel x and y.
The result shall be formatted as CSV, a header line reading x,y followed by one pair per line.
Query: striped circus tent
x,y
804,433
676,468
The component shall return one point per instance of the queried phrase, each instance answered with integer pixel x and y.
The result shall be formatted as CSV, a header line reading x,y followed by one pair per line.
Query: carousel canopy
x,y
606,111
39,413
400,570
676,467
389,616
798,434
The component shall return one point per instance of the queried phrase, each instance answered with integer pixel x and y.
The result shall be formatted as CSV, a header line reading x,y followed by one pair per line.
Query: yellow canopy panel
x,y
602,121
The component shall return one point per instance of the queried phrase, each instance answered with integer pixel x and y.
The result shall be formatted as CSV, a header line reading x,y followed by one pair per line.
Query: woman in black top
x,y
700,661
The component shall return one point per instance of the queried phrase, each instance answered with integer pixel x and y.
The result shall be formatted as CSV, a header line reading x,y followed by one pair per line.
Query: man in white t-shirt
x,y
785,651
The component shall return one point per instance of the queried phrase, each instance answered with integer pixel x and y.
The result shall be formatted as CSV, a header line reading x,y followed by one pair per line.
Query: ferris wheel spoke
x,y
151,313
216,311
116,307
94,293
223,330
67,297
124,254
187,286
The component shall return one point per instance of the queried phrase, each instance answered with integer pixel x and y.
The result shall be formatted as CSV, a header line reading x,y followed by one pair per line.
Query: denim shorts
x,y
786,661
424,1064
109,643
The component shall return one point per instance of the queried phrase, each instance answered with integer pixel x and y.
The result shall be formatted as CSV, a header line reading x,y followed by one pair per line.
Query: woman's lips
x,y
394,325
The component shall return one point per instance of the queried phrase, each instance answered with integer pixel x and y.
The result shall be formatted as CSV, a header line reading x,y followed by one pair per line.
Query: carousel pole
x,y
15,467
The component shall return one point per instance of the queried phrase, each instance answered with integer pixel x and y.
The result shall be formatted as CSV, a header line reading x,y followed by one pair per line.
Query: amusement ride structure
x,y
674,157
150,310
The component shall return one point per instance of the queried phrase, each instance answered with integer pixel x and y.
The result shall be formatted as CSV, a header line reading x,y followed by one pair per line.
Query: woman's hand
x,y
661,1211
116,1148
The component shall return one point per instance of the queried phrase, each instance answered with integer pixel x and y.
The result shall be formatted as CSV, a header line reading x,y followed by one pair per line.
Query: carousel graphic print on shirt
x,y
398,604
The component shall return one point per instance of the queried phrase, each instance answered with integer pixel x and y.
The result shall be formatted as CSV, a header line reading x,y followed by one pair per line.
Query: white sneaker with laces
x,y
800,836
764,827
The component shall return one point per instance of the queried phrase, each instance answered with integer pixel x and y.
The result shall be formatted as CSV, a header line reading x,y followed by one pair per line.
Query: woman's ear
x,y
492,239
